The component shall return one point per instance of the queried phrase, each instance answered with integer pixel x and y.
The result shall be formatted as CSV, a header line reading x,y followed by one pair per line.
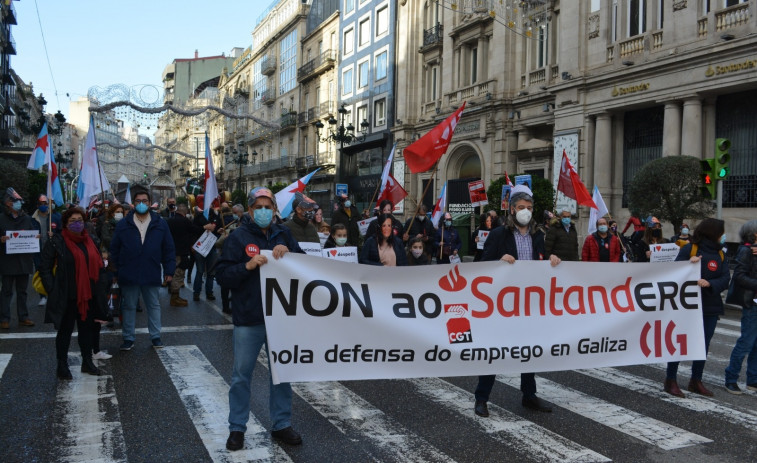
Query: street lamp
x,y
240,158
341,134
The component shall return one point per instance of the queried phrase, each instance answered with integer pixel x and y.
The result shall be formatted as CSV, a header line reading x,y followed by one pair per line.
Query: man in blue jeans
x,y
141,244
238,268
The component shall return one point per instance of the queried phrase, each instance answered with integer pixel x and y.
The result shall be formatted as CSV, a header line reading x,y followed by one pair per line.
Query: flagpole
x,y
423,195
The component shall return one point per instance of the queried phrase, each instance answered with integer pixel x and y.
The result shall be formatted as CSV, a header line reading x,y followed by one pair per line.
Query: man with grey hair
x,y
519,239
562,238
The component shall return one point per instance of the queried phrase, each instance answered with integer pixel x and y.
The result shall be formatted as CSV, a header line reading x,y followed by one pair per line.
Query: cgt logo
x,y
453,281
657,338
458,327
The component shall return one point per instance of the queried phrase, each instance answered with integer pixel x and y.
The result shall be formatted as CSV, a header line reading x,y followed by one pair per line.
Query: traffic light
x,y
722,158
708,187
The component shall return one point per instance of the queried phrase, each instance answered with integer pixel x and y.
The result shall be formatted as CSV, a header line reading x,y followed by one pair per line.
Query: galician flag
x,y
54,190
92,179
284,197
441,205
211,185
42,150
596,214
127,197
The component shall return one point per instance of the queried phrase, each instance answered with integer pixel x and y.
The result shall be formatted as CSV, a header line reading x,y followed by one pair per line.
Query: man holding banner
x,y
239,270
519,239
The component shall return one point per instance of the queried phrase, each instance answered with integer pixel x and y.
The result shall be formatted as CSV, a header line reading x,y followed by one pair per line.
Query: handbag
x,y
37,282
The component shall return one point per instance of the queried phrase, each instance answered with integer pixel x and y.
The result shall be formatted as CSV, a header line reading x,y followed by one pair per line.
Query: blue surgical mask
x,y
565,221
684,231
447,223
17,205
263,217
142,208
236,217
347,204
341,241
43,208
602,228
722,239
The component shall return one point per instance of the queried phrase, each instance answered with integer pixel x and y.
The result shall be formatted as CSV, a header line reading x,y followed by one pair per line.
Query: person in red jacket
x,y
601,246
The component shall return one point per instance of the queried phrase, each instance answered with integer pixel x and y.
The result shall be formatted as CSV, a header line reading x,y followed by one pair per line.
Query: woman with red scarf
x,y
70,270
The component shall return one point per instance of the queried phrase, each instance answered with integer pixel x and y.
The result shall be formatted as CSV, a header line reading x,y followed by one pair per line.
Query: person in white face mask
x,y
519,239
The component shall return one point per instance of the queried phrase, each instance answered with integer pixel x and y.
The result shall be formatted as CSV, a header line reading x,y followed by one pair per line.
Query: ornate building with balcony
x,y
614,83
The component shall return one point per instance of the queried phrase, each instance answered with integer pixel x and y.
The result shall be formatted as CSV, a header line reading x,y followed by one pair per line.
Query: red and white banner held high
x,y
325,323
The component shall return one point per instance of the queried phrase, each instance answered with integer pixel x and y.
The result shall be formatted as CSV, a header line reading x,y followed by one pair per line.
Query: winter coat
x,y
302,230
370,254
353,231
501,241
590,250
563,244
231,273
106,233
745,274
16,264
714,269
447,239
184,233
137,263
58,286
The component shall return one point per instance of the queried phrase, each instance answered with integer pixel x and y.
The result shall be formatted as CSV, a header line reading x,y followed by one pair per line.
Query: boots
x,y
63,372
696,386
177,301
671,387
88,366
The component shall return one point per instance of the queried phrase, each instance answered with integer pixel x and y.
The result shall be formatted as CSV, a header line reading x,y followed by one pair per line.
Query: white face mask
x,y
417,252
523,216
118,216
421,218
341,241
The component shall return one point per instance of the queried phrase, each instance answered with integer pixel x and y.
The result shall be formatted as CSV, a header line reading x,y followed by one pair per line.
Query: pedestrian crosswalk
x,y
89,422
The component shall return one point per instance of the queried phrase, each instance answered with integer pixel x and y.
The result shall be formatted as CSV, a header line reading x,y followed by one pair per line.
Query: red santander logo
x,y
453,281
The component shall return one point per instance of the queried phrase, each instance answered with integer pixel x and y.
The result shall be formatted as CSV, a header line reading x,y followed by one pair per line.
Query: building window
x,y
594,5
542,46
349,41
434,83
473,65
349,6
259,85
614,24
363,74
347,82
382,21
362,115
660,13
288,70
365,32
379,112
637,17
381,61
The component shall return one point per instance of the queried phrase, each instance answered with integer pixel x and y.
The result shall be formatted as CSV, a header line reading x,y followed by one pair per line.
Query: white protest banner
x,y
345,254
477,193
664,252
482,235
328,320
323,237
22,242
205,243
363,225
311,249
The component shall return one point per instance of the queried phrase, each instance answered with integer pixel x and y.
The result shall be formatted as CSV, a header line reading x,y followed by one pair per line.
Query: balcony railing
x,y
312,114
317,65
302,118
268,65
632,46
217,143
471,91
433,36
288,120
326,108
10,14
656,40
268,96
733,16
9,45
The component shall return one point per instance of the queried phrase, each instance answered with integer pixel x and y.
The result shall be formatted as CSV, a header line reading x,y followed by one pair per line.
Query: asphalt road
x,y
171,406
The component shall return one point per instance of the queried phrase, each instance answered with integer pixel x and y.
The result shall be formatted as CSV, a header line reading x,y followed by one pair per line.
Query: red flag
x,y
570,184
393,191
422,154
507,179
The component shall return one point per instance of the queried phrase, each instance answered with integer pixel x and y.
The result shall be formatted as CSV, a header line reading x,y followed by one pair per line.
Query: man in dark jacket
x,y
348,215
562,238
519,239
301,223
14,268
421,227
170,210
239,269
141,244
206,264
184,234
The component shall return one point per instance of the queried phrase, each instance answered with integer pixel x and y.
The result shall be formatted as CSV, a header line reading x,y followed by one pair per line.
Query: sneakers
x,y
733,388
42,301
157,343
101,355
287,436
26,322
127,345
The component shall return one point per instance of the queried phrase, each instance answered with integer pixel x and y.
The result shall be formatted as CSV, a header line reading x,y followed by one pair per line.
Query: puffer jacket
x,y
745,274
563,244
239,247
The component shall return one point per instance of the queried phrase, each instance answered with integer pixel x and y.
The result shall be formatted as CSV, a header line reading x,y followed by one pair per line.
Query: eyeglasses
x,y
141,201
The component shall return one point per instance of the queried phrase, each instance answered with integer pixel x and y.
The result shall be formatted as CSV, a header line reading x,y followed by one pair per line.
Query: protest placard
x,y
344,253
477,193
482,235
311,249
664,252
22,242
364,224
205,243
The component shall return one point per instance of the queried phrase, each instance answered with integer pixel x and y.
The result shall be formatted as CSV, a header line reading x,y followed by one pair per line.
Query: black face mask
x,y
172,206
657,233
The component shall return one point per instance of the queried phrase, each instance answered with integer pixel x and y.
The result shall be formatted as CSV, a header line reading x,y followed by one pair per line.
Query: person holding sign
x,y
519,239
384,247
72,272
477,238
447,240
705,249
337,238
652,236
15,268
239,269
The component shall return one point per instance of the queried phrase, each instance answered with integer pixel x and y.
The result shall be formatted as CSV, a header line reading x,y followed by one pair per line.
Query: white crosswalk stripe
x,y
89,429
684,371
621,419
4,360
506,427
204,393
